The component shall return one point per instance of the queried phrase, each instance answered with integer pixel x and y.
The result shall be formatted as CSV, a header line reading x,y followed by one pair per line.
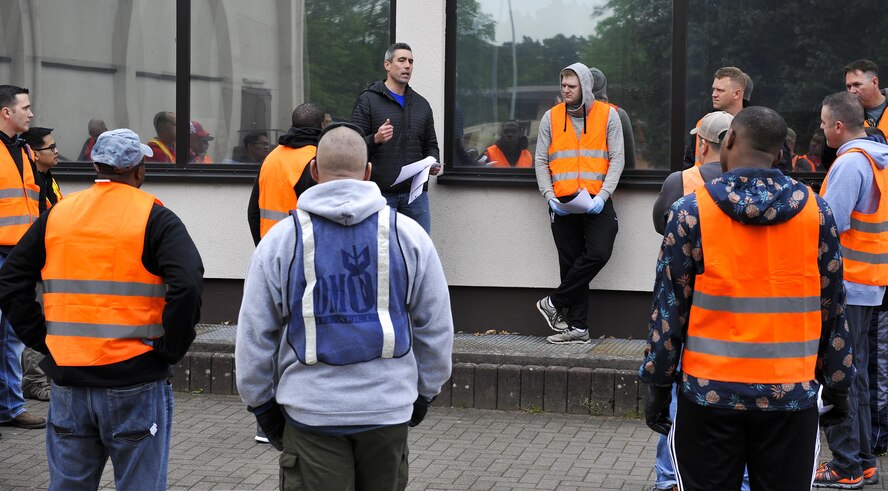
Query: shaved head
x,y
342,154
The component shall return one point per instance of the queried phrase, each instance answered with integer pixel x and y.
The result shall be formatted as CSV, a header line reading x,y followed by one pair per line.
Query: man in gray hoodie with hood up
x,y
345,333
579,147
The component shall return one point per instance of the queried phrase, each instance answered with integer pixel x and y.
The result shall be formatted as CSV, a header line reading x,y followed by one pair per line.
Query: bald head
x,y
96,127
342,154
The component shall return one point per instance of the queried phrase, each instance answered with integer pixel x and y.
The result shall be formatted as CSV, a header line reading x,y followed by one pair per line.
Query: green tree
x,y
344,46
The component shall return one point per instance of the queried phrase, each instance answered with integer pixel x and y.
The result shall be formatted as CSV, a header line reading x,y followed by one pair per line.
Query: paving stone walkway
x,y
454,449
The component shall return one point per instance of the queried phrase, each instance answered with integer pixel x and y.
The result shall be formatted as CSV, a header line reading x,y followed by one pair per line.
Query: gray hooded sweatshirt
x,y
377,392
851,187
614,140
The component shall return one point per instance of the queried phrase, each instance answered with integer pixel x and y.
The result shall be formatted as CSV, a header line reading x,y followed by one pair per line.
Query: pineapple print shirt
x,y
750,196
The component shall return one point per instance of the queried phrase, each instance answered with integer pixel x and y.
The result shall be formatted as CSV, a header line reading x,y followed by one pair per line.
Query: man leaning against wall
x,y
584,239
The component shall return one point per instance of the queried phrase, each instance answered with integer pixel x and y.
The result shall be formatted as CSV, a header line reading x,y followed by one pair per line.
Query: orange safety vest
x,y
691,179
803,160
494,154
280,172
755,316
204,159
882,124
19,198
865,243
159,145
577,164
697,157
99,299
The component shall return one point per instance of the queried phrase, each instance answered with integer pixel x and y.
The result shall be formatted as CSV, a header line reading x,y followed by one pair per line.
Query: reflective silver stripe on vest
x,y
18,193
794,349
867,227
34,195
16,220
308,265
105,331
757,305
864,257
101,287
382,282
571,154
589,176
272,214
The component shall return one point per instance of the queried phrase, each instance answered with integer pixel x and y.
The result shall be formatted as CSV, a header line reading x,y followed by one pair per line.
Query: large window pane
x,y
509,55
254,62
90,59
794,52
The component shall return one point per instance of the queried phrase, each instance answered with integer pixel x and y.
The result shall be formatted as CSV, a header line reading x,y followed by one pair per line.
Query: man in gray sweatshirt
x,y
345,333
579,147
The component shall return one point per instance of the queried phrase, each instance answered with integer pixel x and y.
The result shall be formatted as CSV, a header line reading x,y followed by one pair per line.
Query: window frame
x,y
631,178
182,170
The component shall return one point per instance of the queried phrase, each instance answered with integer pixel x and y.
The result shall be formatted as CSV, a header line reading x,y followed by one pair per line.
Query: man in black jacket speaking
x,y
400,129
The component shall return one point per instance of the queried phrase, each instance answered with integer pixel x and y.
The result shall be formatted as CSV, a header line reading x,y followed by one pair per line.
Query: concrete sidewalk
x,y
453,449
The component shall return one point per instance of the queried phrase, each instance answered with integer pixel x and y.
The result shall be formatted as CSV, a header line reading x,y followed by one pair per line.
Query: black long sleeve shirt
x,y
168,252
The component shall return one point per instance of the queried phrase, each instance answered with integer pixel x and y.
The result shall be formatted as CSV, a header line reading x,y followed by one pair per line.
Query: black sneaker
x,y
260,435
551,314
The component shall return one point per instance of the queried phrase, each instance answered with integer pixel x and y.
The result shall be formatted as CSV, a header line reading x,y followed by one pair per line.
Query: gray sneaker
x,y
551,314
570,336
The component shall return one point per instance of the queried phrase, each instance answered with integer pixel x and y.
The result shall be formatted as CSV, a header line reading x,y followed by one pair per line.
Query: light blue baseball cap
x,y
120,149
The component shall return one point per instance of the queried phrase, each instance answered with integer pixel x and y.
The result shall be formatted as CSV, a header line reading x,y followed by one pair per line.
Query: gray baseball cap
x,y
713,126
120,149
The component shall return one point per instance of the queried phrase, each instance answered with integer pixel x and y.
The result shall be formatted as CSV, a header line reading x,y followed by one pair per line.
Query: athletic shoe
x,y
260,435
871,475
551,314
570,336
39,391
827,477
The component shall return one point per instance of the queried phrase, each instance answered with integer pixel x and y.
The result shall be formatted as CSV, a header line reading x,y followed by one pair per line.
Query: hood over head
x,y
599,84
758,196
344,201
586,84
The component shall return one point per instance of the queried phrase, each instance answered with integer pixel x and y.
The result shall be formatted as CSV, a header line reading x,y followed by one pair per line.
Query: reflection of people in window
x,y
95,127
199,141
164,144
810,162
255,146
510,150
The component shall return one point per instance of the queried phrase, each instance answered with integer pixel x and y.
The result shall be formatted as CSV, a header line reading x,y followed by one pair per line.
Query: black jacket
x,y
168,252
414,133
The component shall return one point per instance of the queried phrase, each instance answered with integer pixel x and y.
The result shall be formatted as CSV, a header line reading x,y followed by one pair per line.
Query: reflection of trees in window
x,y
344,49
631,44
794,51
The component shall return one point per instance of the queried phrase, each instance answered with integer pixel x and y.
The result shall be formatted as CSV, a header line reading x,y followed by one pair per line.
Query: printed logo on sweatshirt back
x,y
348,296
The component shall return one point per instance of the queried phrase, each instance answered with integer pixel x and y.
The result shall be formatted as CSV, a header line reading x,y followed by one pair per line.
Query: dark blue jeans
x,y
418,210
850,439
132,425
878,380
12,402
